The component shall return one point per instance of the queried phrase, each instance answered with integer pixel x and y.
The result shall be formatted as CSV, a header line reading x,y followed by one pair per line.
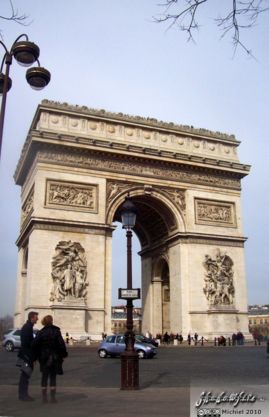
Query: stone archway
x,y
77,167
159,221
161,295
166,326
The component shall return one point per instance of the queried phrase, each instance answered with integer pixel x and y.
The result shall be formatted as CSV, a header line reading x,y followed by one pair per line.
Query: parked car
x,y
7,331
143,339
114,345
12,339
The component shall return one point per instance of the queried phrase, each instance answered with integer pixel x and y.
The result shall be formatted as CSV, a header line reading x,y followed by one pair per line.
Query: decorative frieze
x,y
215,213
61,194
27,207
138,168
218,287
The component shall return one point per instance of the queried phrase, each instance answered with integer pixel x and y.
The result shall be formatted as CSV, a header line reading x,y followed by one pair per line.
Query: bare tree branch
x,y
242,15
15,16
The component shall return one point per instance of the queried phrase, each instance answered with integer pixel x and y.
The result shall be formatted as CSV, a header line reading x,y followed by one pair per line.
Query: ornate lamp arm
x,y
25,53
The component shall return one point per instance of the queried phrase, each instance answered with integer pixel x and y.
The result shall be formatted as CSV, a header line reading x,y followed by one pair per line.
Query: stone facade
x,y
76,169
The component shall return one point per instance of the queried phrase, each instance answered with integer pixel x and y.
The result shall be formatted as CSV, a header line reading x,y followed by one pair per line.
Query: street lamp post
x,y
25,53
129,358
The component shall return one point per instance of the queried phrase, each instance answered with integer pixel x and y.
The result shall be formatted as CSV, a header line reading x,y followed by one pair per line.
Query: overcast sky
x,y
109,54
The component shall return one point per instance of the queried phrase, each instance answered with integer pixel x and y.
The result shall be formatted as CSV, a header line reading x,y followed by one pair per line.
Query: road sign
x,y
129,294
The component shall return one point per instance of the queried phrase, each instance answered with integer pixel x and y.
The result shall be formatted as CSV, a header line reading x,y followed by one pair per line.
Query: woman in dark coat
x,y
49,348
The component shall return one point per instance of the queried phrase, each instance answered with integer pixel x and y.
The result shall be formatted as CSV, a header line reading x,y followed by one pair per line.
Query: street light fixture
x,y
25,53
129,358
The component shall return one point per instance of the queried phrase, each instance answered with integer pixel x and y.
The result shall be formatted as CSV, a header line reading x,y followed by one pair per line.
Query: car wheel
x,y
141,354
102,353
9,347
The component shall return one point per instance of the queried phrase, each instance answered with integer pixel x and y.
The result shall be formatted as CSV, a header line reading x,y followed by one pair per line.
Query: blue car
x,y
114,345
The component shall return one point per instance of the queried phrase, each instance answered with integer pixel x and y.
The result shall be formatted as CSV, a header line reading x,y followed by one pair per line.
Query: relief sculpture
x,y
138,168
219,287
178,196
115,188
69,272
71,194
28,206
218,213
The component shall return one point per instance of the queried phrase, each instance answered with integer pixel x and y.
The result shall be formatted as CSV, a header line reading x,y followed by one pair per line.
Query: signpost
x,y
129,294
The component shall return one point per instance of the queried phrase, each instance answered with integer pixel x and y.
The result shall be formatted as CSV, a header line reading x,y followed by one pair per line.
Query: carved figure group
x,y
69,272
214,213
27,207
219,288
87,161
71,195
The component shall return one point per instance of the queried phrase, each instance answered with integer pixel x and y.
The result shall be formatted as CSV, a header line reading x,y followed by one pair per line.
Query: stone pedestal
x,y
70,316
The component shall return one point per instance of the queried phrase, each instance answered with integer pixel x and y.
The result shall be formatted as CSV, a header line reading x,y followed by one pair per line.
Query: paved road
x,y
90,385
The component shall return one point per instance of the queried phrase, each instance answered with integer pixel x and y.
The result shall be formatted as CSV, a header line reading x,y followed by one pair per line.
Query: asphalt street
x,y
90,386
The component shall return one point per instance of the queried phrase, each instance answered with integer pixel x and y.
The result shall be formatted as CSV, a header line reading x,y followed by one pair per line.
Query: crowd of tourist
x,y
195,339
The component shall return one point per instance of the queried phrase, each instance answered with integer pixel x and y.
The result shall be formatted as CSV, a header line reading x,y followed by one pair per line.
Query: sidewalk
x,y
98,402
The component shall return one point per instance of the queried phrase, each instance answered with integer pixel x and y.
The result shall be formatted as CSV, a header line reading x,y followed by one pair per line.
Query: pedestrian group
x,y
48,347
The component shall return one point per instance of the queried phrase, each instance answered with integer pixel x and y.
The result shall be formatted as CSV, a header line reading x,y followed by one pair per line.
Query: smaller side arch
x,y
158,264
160,295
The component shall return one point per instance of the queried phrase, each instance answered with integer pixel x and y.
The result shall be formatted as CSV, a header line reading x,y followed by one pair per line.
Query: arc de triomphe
x,y
76,168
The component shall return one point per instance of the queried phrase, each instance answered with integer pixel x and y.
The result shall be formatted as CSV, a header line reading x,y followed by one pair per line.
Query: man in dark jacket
x,y
26,355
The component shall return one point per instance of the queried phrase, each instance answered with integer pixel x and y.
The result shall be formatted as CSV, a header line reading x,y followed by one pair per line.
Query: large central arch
x,y
159,222
76,169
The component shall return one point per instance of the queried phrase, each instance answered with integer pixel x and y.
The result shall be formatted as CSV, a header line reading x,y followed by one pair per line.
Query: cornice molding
x,y
63,226
81,127
194,238
217,311
173,170
147,121
91,142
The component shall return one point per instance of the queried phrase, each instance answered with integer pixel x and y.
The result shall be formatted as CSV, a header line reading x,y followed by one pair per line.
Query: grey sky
x,y
108,54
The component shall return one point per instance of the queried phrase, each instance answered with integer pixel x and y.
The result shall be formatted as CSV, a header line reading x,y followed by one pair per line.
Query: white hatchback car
x,y
12,340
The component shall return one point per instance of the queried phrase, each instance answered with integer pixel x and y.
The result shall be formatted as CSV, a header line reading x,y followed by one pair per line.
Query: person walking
x,y
26,355
50,350
166,338
189,339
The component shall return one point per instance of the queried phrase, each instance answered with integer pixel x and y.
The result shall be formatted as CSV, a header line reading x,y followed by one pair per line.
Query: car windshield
x,y
121,339
110,339
8,331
